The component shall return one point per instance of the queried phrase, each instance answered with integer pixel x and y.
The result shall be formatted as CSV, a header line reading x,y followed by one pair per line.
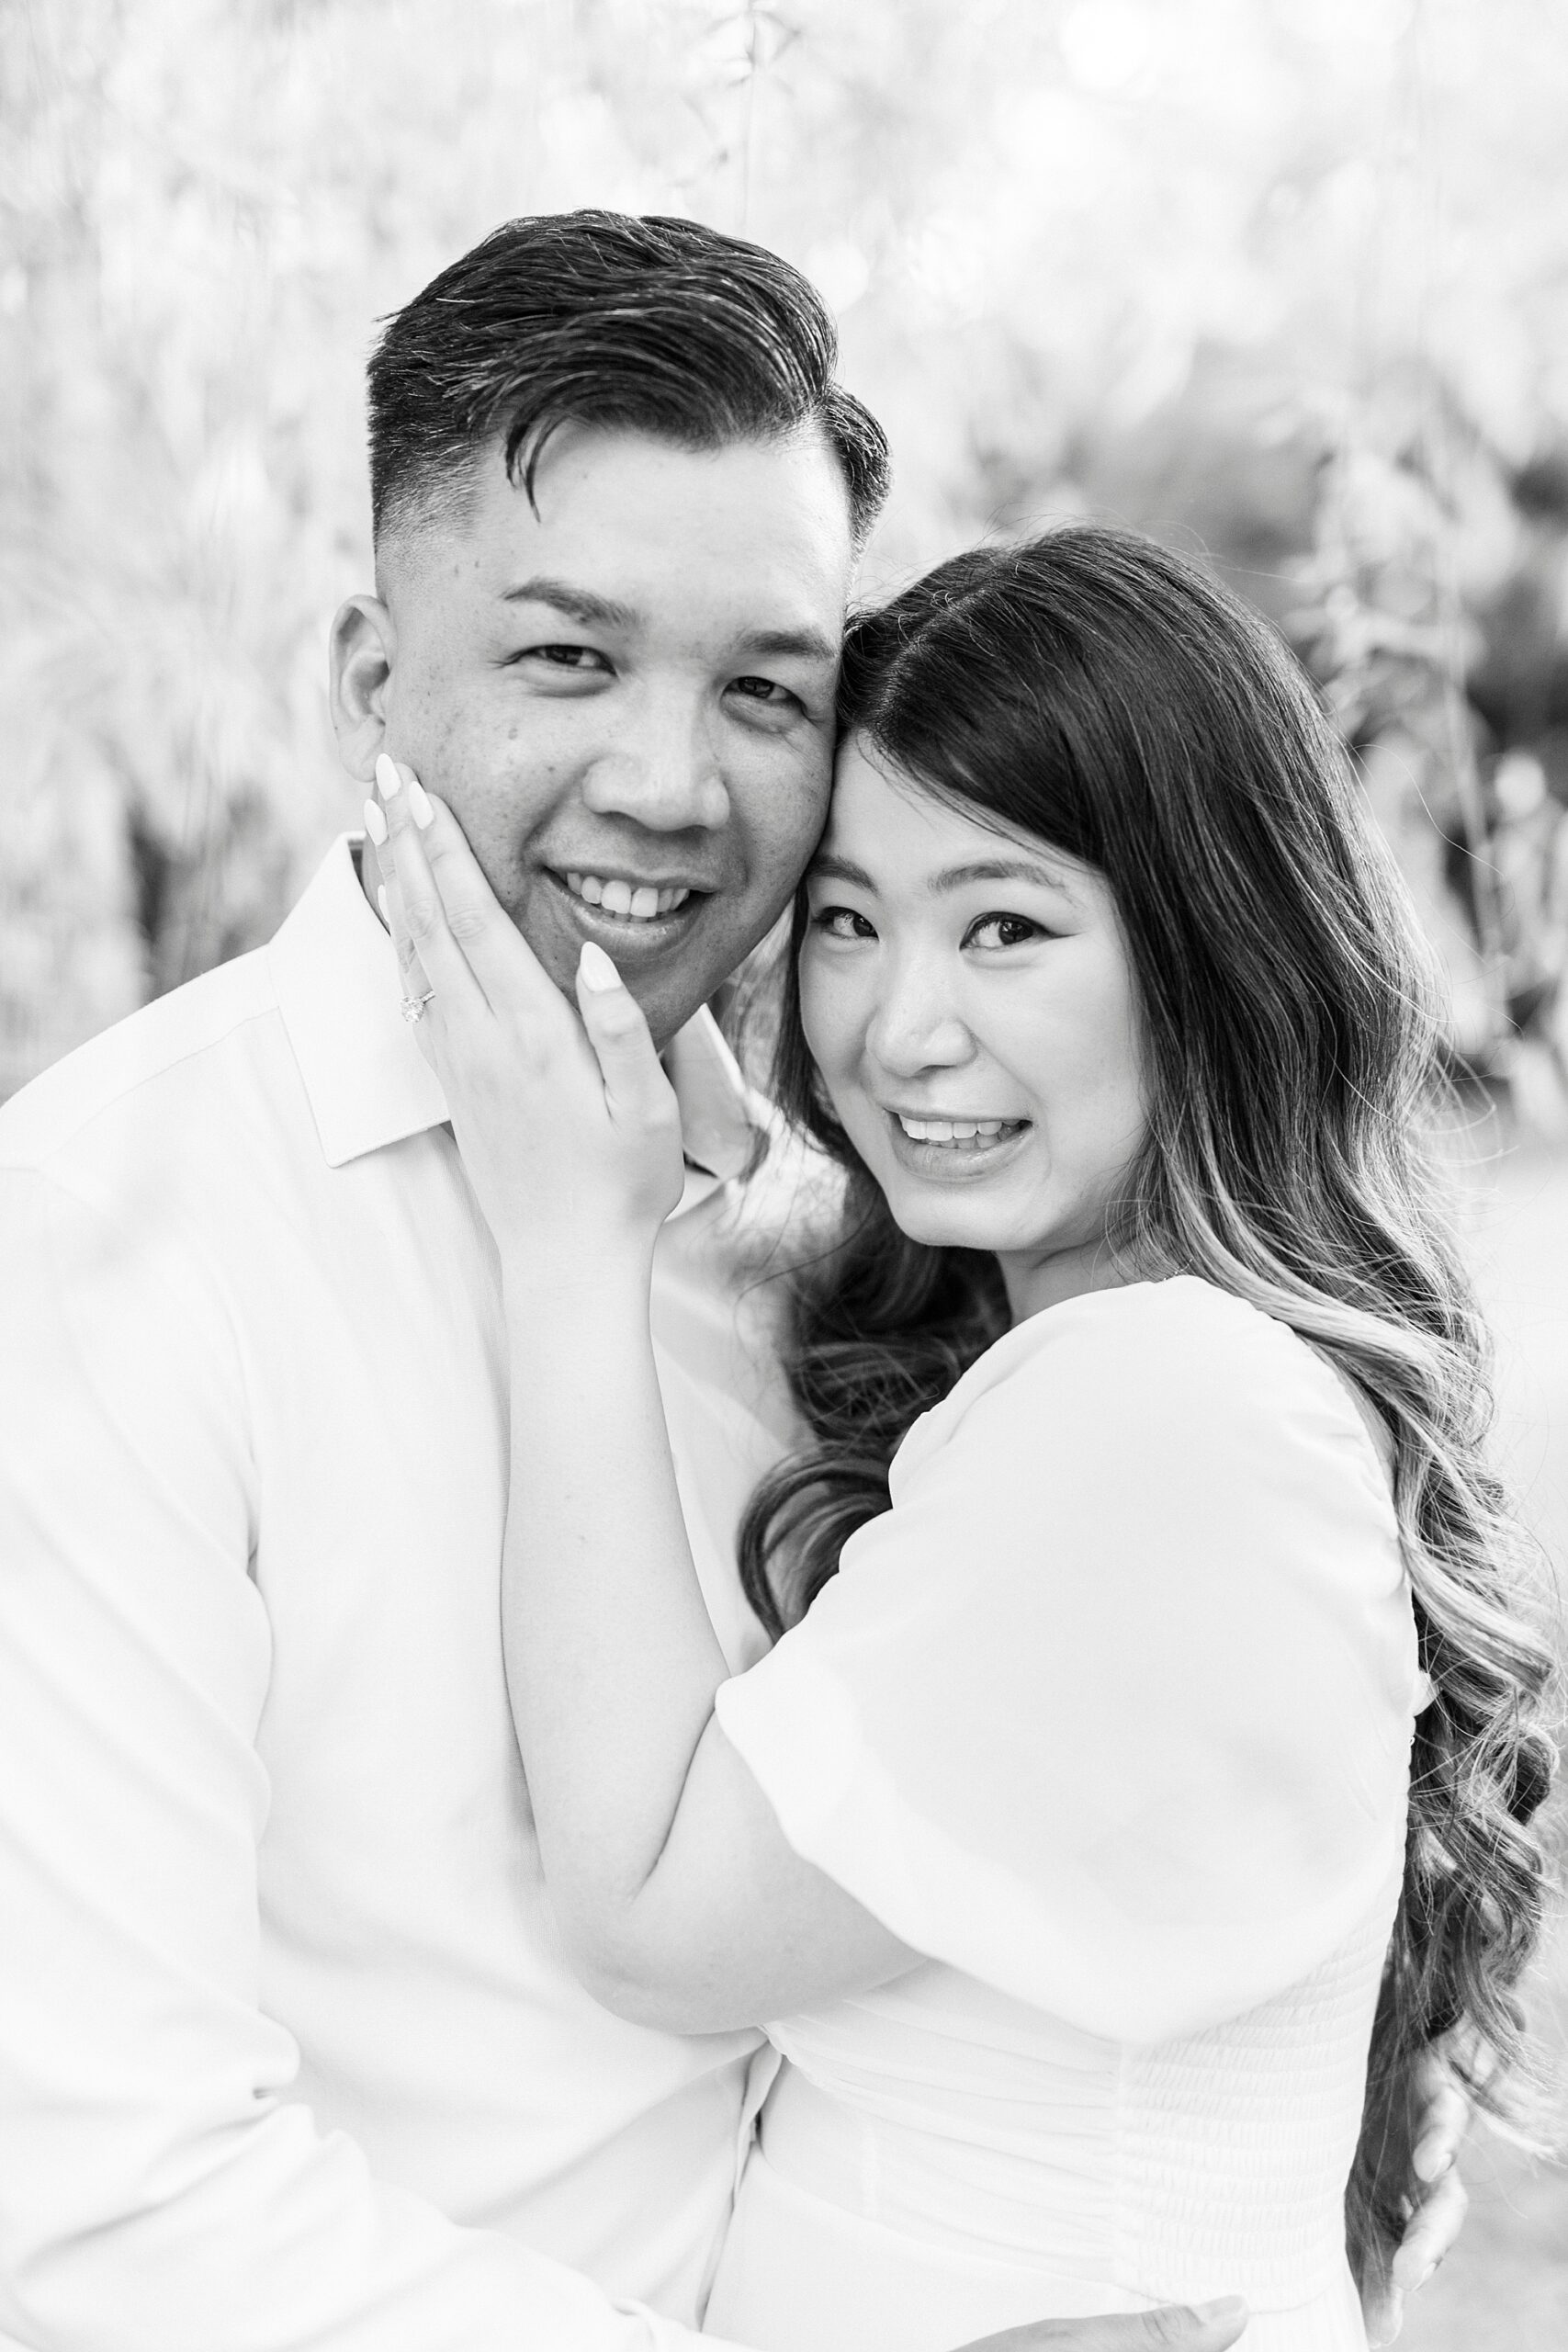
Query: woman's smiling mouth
x,y
931,1129
953,1148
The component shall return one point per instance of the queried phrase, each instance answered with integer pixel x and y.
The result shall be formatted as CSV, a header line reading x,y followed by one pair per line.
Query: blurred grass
x,y
1504,2287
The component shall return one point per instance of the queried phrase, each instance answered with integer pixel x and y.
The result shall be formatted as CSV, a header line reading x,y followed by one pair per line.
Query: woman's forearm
x,y
611,1658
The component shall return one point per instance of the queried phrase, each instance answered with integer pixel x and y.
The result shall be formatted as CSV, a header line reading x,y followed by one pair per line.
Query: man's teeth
x,y
617,897
952,1130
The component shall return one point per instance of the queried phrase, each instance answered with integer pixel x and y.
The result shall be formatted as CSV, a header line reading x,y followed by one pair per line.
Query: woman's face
x,y
968,1001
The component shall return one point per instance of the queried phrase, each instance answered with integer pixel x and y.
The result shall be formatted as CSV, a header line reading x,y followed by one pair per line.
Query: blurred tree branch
x,y
1128,258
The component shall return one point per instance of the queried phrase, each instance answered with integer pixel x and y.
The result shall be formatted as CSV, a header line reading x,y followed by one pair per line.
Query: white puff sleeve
x,y
1112,1709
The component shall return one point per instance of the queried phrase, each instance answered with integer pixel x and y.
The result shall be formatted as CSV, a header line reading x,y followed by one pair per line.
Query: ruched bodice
x,y
1115,1726
942,2108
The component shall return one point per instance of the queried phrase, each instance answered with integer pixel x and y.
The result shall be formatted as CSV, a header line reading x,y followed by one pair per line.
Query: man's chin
x,y
666,1004
670,985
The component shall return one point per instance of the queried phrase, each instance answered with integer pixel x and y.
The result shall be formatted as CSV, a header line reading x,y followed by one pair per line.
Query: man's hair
x,y
657,326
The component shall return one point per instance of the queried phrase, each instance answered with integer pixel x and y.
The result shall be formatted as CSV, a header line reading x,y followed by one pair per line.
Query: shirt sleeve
x,y
1112,1709
161,2190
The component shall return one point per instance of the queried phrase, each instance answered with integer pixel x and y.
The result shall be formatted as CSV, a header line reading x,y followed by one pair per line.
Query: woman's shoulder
x,y
1173,1366
1165,1477
1135,1335
1112,1708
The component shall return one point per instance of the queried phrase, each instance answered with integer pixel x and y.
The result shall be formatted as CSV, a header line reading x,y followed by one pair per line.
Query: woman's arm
x,y
678,1897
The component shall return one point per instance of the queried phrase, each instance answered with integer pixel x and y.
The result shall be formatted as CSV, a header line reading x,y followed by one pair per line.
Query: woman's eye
x,y
842,923
1002,931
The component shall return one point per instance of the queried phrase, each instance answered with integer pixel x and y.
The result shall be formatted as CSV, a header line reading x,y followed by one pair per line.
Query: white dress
x,y
1110,1717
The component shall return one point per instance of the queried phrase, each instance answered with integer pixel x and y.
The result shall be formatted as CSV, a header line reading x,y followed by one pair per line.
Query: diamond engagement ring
x,y
413,1006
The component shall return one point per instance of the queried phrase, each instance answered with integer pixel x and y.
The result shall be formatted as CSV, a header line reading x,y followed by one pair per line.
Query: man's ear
x,y
362,652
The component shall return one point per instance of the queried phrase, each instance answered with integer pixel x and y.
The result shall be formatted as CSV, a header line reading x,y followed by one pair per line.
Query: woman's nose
x,y
916,1026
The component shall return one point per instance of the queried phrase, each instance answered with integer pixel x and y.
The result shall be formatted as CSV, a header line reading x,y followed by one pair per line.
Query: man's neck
x,y
369,879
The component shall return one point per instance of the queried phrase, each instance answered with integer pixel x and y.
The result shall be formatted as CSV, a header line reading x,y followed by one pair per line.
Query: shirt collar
x,y
364,1078
719,1114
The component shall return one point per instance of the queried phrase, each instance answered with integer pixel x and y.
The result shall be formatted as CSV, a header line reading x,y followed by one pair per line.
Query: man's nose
x,y
917,1025
661,770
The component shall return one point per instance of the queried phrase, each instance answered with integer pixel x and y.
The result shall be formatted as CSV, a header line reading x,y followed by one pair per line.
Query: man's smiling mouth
x,y
626,912
637,901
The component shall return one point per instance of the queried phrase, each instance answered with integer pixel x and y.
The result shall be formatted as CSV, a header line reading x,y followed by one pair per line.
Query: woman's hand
x,y
568,1127
1432,2115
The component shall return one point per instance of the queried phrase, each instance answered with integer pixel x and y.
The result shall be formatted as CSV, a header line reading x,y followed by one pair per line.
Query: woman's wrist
x,y
547,1271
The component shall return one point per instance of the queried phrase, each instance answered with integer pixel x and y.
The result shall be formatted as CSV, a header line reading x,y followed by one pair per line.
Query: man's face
x,y
627,695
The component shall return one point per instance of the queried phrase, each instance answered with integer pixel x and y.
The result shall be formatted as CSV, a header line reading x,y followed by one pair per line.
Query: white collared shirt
x,y
288,2053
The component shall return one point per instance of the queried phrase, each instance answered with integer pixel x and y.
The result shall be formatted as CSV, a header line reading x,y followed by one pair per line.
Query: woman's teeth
x,y
953,1130
642,903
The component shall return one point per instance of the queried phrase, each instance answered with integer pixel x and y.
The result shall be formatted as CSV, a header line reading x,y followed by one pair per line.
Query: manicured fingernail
x,y
595,969
374,823
1227,2307
1422,2280
381,903
1432,2160
388,778
420,808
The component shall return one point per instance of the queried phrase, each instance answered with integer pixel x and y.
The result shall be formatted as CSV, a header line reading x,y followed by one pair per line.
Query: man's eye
x,y
585,657
842,923
1002,931
763,690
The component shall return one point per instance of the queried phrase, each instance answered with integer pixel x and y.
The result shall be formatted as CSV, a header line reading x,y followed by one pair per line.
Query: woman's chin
x,y
941,1222
1019,1233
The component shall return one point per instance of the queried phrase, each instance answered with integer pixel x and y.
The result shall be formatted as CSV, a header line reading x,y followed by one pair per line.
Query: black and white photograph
x,y
783,1175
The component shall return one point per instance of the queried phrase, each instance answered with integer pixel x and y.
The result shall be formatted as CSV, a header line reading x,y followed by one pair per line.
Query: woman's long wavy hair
x,y
1093,692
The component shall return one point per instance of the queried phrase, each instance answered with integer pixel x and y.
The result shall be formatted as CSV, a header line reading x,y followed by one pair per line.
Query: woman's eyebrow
x,y
828,868
1002,869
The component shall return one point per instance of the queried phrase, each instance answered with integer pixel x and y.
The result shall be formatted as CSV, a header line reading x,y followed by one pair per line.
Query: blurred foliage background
x,y
1282,281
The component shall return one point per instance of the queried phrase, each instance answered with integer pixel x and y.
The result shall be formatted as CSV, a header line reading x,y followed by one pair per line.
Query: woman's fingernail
x,y
1432,2160
420,808
374,823
387,778
1227,2307
595,969
381,903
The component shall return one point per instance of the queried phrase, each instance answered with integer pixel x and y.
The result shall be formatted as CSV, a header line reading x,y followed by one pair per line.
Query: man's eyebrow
x,y
593,611
810,644
578,604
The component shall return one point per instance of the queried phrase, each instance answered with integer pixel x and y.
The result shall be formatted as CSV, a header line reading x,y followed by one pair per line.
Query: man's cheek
x,y
472,780
777,867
